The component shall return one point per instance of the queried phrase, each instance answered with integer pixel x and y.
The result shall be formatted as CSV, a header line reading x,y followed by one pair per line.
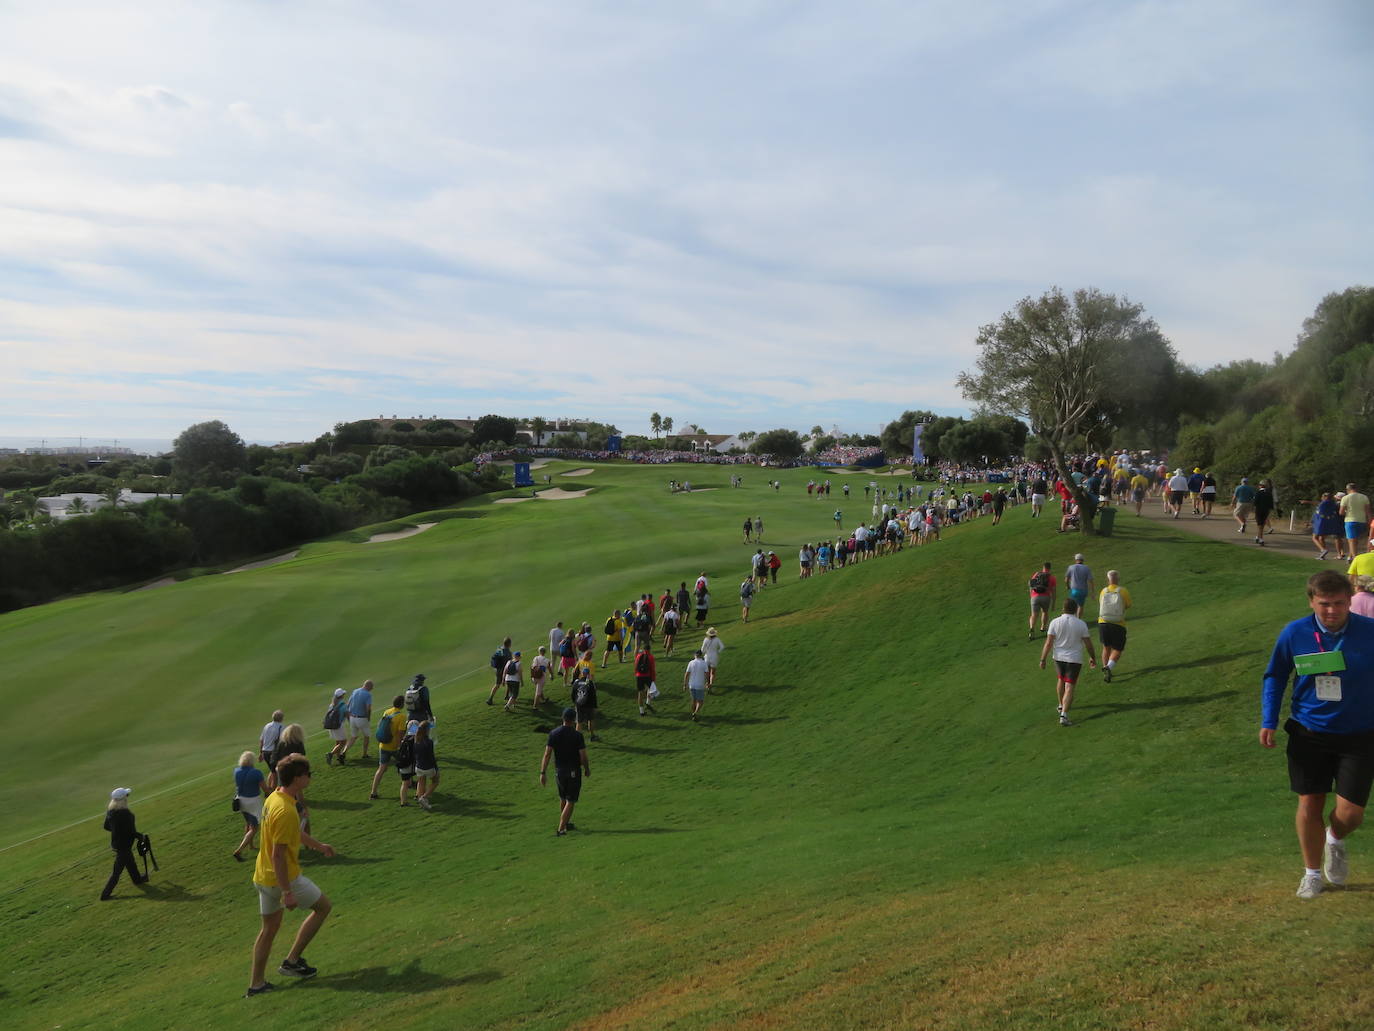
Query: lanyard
x,y
1340,638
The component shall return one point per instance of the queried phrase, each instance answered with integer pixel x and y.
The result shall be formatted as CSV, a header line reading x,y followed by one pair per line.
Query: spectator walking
x,y
499,658
119,821
391,729
1078,578
539,676
426,766
711,647
1044,588
267,745
1331,724
1243,503
1355,511
567,748
746,597
1067,638
1264,508
1326,522
360,717
646,672
515,680
248,788
1112,604
336,724
278,878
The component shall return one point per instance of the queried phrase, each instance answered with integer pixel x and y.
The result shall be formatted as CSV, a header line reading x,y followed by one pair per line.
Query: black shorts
x,y
569,784
613,646
1316,761
585,713
1112,635
1176,497
642,683
1068,670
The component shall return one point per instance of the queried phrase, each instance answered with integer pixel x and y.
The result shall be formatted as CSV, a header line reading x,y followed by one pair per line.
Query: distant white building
x,y
57,505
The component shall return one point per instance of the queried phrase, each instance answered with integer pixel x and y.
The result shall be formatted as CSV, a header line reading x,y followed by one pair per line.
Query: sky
x,y
741,215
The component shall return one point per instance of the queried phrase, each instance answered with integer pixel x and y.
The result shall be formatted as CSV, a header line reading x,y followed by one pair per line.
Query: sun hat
x,y
711,632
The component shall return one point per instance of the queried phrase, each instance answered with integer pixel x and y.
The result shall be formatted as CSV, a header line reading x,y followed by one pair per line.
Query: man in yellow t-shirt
x,y
1140,486
1112,603
277,875
386,750
1355,512
1362,564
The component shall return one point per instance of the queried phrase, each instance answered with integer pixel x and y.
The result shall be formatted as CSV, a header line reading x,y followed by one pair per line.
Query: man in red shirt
x,y
645,671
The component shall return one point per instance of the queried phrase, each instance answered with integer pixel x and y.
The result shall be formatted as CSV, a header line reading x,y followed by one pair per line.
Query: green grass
x,y
879,824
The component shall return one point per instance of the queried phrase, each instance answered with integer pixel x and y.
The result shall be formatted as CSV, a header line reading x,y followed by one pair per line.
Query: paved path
x,y
1221,526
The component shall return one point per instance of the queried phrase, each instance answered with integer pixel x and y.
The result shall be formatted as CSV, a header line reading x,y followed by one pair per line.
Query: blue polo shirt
x,y
359,702
1354,713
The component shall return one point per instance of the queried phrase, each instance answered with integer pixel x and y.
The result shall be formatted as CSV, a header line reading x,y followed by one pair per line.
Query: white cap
x,y
338,692
119,794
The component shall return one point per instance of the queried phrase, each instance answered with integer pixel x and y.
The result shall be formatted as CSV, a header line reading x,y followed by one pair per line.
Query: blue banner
x,y
522,475
612,443
918,456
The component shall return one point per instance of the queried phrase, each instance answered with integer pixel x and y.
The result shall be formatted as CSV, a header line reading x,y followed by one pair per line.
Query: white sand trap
x,y
396,535
559,494
166,581
265,562
578,472
510,501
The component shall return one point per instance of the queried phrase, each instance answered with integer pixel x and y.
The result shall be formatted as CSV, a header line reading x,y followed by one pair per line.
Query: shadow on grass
x,y
1209,660
638,749
1115,708
409,980
311,858
633,830
480,767
725,689
335,803
709,717
167,891
447,805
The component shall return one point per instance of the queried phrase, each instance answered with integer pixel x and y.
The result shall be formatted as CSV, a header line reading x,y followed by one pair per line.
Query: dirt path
x,y
1222,526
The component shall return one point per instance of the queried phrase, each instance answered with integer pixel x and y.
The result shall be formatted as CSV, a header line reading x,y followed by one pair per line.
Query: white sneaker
x,y
1335,866
1310,886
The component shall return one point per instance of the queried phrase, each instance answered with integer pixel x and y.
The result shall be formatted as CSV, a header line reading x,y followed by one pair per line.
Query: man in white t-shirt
x,y
695,680
1178,490
556,636
1067,636
711,648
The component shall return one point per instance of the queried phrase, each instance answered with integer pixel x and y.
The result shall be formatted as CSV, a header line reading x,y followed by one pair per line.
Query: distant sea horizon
x,y
138,445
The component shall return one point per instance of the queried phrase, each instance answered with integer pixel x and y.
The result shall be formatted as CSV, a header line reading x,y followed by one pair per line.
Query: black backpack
x,y
565,649
1040,582
499,658
333,720
581,692
610,626
642,664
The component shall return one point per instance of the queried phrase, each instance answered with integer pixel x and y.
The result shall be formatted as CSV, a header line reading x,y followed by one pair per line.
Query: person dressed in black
x,y
568,750
119,821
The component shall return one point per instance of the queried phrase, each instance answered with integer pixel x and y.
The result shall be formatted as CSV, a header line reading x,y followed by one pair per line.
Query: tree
x,y
823,442
817,430
656,423
778,443
77,506
537,427
208,450
897,435
493,429
667,424
1055,362
747,435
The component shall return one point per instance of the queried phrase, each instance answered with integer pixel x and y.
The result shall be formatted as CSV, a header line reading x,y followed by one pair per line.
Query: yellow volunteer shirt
x,y
281,825
1139,482
1125,600
1363,565
398,729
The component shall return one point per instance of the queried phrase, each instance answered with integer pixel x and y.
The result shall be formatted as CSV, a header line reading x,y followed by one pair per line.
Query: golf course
x,y
878,822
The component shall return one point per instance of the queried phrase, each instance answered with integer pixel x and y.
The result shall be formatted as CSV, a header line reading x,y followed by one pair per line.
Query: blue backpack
x,y
383,734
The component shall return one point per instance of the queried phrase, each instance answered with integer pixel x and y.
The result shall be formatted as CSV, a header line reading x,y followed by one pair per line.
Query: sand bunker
x,y
397,535
559,494
578,472
166,581
510,501
265,562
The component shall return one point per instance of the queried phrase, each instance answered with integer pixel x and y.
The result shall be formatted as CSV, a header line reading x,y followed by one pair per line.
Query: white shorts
x,y
269,899
711,663
426,773
1037,499
251,806
339,733
359,725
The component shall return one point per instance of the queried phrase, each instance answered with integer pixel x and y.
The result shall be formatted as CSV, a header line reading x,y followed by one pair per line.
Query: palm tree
x,y
538,426
77,506
656,423
111,494
668,424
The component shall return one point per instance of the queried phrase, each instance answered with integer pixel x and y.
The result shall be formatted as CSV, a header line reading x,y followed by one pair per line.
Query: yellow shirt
x,y
1139,482
281,825
583,669
1363,564
1125,600
398,729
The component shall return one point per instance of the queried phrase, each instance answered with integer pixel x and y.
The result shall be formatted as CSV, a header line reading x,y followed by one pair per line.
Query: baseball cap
x,y
120,793
1078,557
338,692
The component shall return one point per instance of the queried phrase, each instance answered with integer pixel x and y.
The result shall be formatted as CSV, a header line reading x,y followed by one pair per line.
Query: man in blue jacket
x,y
1331,724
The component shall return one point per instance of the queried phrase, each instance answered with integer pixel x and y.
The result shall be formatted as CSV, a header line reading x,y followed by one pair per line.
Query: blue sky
x,y
742,215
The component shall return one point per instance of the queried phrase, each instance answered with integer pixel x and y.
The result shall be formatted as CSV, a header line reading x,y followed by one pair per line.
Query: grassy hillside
x,y
879,823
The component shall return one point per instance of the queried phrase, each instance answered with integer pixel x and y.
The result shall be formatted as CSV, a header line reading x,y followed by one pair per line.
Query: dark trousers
x,y
124,860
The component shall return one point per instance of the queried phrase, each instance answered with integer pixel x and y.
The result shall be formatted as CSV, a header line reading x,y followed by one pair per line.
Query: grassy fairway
x,y
879,823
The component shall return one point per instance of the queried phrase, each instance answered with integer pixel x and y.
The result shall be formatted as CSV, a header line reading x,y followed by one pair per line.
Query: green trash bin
x,y
1106,520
